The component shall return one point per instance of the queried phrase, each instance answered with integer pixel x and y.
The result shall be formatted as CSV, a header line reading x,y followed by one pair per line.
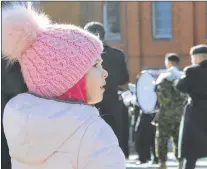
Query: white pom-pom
x,y
20,27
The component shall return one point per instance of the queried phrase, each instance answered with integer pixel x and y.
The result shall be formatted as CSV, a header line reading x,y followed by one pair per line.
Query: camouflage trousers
x,y
167,129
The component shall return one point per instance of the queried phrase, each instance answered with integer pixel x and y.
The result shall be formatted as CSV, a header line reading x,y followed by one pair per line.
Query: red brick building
x,y
145,31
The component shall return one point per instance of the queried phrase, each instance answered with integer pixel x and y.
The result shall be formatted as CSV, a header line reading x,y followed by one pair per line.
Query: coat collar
x,y
69,100
204,64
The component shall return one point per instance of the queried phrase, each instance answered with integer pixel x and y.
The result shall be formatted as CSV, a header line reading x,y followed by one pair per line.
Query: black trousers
x,y
189,163
145,137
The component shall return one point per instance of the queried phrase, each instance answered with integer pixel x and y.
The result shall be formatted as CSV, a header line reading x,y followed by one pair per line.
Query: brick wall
x,y
189,26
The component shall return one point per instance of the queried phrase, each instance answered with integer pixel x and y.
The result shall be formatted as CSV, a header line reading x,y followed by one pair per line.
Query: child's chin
x,y
98,100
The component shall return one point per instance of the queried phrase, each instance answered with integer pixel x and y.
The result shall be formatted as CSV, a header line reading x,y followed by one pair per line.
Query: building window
x,y
111,20
162,19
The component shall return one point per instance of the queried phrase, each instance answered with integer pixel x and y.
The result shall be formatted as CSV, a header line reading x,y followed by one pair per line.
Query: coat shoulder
x,y
115,50
191,68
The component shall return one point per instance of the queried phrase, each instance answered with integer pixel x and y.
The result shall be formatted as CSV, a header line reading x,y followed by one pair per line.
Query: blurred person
x,y
54,124
145,138
171,103
193,130
12,84
114,62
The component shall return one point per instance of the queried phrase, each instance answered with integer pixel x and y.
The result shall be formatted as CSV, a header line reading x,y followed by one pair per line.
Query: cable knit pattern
x,y
58,59
53,57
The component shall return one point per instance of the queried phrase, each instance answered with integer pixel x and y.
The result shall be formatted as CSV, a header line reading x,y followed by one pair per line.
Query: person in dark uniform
x,y
12,84
145,138
115,64
193,131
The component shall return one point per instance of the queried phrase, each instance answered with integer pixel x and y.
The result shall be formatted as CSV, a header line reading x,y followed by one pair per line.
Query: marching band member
x,y
193,133
171,108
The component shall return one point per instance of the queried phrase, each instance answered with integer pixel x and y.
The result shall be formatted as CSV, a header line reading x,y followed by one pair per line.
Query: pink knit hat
x,y
53,57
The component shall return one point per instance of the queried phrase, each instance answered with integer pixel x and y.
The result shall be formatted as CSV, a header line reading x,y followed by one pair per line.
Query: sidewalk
x,y
171,163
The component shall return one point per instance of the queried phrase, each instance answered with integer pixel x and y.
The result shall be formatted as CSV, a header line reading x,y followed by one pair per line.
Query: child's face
x,y
95,81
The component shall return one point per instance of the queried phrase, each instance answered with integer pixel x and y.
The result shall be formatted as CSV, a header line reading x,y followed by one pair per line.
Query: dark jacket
x,y
110,107
12,84
114,63
193,134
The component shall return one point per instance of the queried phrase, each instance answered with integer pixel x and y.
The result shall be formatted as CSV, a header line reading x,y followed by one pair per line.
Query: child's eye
x,y
97,65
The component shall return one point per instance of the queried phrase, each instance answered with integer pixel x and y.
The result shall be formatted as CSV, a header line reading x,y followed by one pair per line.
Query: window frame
x,y
154,34
105,23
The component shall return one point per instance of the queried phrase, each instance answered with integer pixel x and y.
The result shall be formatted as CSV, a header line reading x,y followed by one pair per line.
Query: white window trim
x,y
155,36
105,24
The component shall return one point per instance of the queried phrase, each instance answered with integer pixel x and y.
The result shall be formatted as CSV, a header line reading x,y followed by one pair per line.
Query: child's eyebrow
x,y
99,60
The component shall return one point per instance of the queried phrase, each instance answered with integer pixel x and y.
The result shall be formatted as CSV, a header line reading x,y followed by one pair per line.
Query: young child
x,y
193,130
54,125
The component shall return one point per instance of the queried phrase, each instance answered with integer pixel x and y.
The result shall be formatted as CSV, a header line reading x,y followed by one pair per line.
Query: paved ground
x,y
171,163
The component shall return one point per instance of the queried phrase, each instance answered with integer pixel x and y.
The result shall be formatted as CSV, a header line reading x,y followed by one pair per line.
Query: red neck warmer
x,y
78,91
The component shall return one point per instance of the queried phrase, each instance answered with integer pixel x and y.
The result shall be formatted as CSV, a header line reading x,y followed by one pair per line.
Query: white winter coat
x,y
53,134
